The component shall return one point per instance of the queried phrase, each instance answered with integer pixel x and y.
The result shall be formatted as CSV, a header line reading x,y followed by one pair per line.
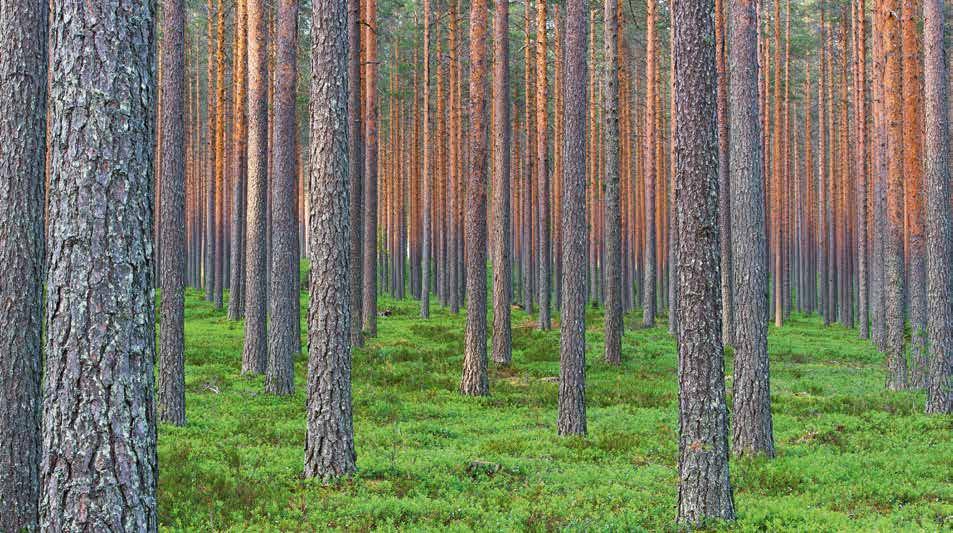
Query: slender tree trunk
x,y
542,169
211,114
236,296
752,429
724,179
939,230
572,327
502,268
171,388
649,158
23,71
355,171
329,448
219,213
704,491
369,306
282,340
427,173
860,164
98,404
613,219
889,11
255,354
475,382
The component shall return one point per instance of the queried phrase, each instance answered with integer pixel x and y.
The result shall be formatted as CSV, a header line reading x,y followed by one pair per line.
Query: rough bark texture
x,y
893,256
860,164
355,154
650,163
23,76
939,233
329,449
475,381
208,271
752,399
542,170
704,491
283,342
99,438
171,389
502,268
724,159
612,213
572,327
236,296
369,289
219,213
255,354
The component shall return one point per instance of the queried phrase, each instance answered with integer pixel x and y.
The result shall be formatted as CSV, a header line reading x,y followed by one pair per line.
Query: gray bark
x,y
575,236
704,491
171,389
329,449
502,267
612,212
236,296
23,76
283,342
426,174
99,438
939,227
255,353
752,429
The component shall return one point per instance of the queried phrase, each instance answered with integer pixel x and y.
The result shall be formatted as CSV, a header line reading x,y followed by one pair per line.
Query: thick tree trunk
x,y
752,431
572,327
236,296
329,448
939,232
704,491
283,342
502,244
613,218
475,381
893,263
255,355
99,435
23,85
171,389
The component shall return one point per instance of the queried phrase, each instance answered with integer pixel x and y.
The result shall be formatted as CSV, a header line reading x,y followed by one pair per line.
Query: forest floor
x,y
850,455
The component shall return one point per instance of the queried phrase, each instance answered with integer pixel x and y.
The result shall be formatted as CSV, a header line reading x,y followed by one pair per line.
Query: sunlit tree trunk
x,y
502,269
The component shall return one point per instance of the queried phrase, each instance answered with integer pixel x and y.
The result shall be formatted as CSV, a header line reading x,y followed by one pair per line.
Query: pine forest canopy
x,y
490,264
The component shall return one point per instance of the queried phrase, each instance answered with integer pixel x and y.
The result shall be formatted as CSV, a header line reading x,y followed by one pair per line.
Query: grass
x,y
851,456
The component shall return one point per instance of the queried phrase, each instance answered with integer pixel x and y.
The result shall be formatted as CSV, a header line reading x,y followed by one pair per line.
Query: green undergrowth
x,y
851,456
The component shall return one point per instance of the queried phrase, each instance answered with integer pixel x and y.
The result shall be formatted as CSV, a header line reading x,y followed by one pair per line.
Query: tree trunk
x,y
724,178
255,354
329,448
475,382
542,169
572,327
236,296
502,268
171,388
283,343
704,491
939,232
99,465
649,287
752,431
893,263
369,298
23,69
355,157
613,218
219,214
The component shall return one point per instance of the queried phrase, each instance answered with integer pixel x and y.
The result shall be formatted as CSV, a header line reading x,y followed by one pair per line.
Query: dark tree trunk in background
x,y
939,234
329,448
752,431
355,155
283,341
724,159
23,77
171,389
369,289
613,216
704,491
544,250
572,327
99,437
475,381
502,268
255,355
208,278
893,256
236,296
